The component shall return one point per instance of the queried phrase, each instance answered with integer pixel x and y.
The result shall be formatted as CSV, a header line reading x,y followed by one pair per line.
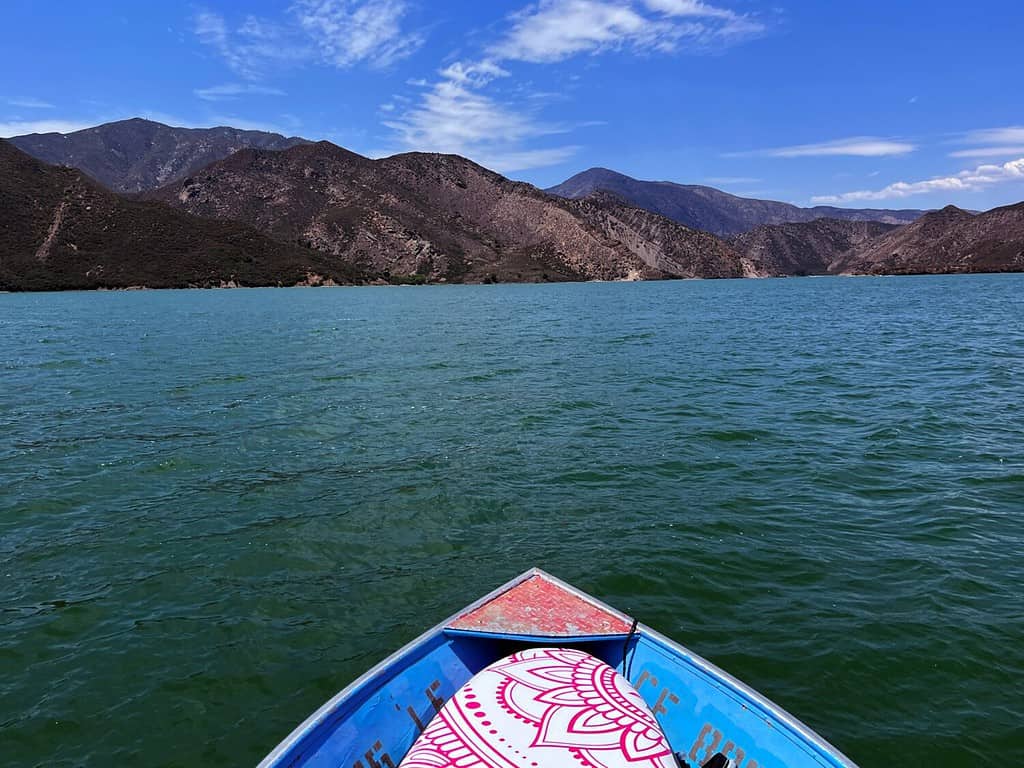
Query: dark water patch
x,y
336,377
497,373
632,337
734,435
576,405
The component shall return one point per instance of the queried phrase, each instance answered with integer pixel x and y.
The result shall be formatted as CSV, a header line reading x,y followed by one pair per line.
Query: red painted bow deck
x,y
539,607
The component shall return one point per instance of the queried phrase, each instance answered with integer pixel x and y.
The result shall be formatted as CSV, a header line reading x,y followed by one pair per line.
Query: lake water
x,y
217,508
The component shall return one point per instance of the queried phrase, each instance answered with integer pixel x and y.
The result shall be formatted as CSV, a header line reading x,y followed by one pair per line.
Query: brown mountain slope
x,y
946,241
135,155
662,243
61,230
442,217
803,249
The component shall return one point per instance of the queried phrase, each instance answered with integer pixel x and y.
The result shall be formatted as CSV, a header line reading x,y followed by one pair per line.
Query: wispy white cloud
x,y
293,122
30,103
463,113
857,146
554,30
22,127
732,180
992,142
349,32
1010,151
966,181
252,49
341,33
178,121
11,128
454,116
719,27
212,30
507,161
230,91
241,123
255,28
1008,135
559,29
475,74
689,8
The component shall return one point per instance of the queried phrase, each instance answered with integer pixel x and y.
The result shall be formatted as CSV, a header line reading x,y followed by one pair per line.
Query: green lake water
x,y
217,508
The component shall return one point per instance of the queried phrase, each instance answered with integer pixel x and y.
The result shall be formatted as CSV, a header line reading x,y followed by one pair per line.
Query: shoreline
x,y
333,285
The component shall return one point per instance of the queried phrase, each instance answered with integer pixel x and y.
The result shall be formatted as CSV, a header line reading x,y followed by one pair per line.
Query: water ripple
x,y
219,507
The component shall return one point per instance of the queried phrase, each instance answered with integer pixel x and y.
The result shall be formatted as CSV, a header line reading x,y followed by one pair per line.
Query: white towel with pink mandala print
x,y
544,708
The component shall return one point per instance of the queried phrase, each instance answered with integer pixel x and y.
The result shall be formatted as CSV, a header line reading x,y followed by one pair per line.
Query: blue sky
x,y
868,104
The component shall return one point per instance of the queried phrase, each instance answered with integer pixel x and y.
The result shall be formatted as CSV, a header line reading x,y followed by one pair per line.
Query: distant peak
x,y
599,171
952,212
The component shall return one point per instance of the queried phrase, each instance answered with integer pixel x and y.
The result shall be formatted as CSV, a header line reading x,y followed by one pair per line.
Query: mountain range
x,y
139,203
710,209
136,155
949,241
61,230
442,218
804,248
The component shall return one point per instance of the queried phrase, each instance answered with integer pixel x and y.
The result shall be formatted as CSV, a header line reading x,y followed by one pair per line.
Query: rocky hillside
x,y
711,209
60,230
665,245
808,248
135,155
429,217
947,241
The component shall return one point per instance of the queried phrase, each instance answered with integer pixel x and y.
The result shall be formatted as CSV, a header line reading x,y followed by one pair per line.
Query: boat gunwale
x,y
320,715
744,694
732,685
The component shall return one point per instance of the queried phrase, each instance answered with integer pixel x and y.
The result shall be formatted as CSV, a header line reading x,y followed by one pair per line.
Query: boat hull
x,y
702,710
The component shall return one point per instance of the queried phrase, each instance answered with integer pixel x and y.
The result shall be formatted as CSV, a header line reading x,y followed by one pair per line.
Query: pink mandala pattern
x,y
544,708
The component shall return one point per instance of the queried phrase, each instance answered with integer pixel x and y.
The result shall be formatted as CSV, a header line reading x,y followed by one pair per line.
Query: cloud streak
x,y
22,127
340,33
254,48
1008,135
30,104
1008,151
230,91
857,146
458,114
348,33
732,180
454,116
992,142
966,181
555,30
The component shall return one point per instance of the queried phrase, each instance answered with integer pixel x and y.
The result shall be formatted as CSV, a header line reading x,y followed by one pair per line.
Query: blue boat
x,y
538,674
